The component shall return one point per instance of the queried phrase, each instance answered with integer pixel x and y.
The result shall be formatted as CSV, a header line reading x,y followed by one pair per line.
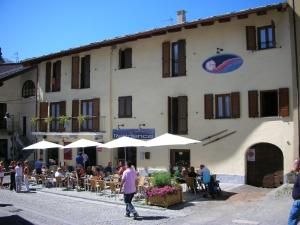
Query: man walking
x,y
294,216
129,180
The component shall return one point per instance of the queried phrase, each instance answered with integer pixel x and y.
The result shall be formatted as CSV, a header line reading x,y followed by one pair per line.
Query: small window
x,y
266,37
85,72
269,103
28,89
223,106
125,107
125,58
87,111
178,115
55,113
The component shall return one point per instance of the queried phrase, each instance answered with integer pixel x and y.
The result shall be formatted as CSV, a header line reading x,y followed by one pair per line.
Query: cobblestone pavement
x,y
239,205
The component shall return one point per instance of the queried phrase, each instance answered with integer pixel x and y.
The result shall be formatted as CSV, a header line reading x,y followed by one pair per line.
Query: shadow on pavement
x,y
14,220
5,205
152,218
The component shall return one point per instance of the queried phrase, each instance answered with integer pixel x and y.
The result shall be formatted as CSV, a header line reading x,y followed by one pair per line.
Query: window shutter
x,y
128,58
182,58
235,105
96,114
120,59
87,64
284,102
75,113
57,75
75,72
166,59
43,115
48,76
253,103
170,115
62,112
251,37
182,115
273,32
121,108
128,106
209,106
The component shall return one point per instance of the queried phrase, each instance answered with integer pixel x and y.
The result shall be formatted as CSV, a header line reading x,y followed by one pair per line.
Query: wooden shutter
x,y
87,65
128,106
121,65
128,58
284,102
182,58
96,114
273,33
251,37
75,113
172,115
62,112
166,59
182,115
75,72
121,107
43,115
209,106
57,75
235,105
48,76
253,103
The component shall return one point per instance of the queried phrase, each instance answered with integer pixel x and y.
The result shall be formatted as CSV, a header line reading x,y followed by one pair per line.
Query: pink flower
x,y
161,191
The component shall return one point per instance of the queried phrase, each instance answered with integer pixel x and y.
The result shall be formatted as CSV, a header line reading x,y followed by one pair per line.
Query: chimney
x,y
181,16
1,59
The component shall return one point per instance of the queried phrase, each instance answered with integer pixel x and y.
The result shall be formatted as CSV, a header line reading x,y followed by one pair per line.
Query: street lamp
x,y
10,118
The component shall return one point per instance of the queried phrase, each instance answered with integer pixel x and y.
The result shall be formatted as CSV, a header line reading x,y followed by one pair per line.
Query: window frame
x,y
261,102
28,89
125,113
84,77
54,125
87,124
125,58
223,116
268,41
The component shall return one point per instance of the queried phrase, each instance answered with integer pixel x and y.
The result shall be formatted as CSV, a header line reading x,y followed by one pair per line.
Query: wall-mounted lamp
x,y
219,50
142,125
120,125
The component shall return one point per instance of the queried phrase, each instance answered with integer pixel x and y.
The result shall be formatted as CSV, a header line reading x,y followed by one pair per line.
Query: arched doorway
x,y
264,165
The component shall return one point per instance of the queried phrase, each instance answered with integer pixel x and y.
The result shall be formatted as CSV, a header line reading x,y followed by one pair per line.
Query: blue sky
x,y
33,28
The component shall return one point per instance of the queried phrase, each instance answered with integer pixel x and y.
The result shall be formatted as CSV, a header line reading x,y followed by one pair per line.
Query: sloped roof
x,y
158,31
10,70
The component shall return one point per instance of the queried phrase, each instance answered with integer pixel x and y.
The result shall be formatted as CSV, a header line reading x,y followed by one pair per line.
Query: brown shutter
x,y
120,59
166,59
87,65
182,115
182,58
75,113
253,103
96,114
128,106
235,105
57,75
170,114
274,37
48,76
43,115
251,37
128,58
209,106
284,102
121,107
75,72
62,112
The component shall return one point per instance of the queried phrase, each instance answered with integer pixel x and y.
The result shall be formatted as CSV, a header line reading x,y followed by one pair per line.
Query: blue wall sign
x,y
134,133
223,63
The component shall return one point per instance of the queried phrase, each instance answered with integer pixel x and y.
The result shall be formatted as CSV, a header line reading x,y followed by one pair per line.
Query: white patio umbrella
x,y
43,145
83,143
170,139
124,142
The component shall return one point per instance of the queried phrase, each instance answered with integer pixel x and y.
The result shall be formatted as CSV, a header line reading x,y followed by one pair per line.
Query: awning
x,y
83,143
43,145
170,139
124,142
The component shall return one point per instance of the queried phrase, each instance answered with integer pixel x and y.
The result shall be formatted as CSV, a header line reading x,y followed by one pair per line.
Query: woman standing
x,y
1,174
12,173
26,176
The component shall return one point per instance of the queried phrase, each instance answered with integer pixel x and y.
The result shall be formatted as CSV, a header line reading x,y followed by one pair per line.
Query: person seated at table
x,y
45,171
192,172
184,172
89,170
120,164
122,169
178,175
59,172
108,170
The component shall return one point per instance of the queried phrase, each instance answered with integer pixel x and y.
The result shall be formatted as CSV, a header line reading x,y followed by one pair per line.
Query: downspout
x,y
297,72
36,106
110,99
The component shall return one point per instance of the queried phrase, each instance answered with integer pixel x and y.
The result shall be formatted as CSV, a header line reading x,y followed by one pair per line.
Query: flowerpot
x,y
166,200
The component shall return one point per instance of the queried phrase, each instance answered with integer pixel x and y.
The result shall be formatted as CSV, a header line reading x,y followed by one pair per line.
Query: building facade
x,y
228,81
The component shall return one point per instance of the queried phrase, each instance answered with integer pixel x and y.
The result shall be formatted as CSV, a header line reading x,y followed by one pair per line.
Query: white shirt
x,y
85,157
19,171
58,174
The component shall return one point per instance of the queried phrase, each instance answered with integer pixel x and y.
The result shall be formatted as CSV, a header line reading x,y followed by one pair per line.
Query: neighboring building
x,y
229,80
17,107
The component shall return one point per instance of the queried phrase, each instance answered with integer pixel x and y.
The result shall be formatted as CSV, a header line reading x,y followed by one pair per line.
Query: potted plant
x,y
48,119
81,119
63,120
164,192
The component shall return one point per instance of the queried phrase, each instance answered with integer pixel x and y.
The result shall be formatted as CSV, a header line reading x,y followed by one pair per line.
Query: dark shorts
x,y
128,197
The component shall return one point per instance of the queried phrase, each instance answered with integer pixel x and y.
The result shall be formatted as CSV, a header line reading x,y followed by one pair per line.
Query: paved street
x,y
249,206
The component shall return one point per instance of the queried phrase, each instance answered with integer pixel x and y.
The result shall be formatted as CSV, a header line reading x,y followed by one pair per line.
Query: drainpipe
x,y
36,104
297,71
110,99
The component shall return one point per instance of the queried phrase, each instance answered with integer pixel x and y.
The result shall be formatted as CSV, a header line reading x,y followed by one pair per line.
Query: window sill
x,y
124,117
125,68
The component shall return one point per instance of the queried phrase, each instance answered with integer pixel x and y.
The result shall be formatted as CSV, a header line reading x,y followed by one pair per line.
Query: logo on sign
x,y
223,63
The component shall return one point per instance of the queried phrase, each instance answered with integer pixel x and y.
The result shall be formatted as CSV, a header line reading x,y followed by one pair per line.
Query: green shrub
x,y
161,179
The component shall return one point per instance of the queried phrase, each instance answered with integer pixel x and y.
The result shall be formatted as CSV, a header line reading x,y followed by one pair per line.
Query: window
x,y
53,76
266,37
28,89
177,65
3,110
125,107
87,111
85,72
271,102
125,58
178,115
226,106
57,109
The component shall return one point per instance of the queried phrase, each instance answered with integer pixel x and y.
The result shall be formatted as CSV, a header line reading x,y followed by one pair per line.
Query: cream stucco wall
x,y
261,70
